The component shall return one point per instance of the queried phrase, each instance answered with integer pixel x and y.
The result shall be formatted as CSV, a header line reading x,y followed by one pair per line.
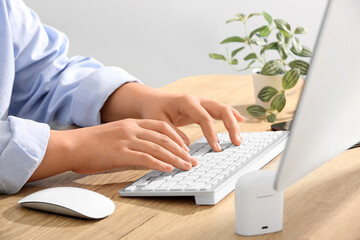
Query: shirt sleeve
x,y
50,87
21,152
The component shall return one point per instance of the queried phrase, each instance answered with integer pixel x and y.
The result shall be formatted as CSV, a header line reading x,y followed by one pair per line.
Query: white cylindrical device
x,y
259,208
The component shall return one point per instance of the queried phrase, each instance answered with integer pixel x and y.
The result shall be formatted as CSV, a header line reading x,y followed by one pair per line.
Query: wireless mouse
x,y
70,201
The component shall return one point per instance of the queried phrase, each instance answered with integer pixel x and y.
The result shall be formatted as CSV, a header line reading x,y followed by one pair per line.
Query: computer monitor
x,y
327,120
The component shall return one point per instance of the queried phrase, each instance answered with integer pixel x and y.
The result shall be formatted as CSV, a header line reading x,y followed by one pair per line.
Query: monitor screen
x,y
327,120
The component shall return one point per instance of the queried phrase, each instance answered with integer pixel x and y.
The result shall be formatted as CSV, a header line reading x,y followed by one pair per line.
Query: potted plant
x,y
271,77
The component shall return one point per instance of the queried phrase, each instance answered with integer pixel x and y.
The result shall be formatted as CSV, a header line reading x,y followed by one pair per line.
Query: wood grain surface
x,y
323,205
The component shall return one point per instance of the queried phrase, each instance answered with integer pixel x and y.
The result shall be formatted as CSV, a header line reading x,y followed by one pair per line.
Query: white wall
x,y
160,41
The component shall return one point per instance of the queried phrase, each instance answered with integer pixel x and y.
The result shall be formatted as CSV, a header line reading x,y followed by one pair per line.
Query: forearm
x,y
128,101
58,156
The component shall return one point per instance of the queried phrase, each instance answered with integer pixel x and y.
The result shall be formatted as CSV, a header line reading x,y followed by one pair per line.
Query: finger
x,y
182,135
222,112
164,128
140,159
232,127
160,153
208,105
201,117
238,116
167,143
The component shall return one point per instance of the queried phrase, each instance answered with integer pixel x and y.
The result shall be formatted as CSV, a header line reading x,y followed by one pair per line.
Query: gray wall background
x,y
160,41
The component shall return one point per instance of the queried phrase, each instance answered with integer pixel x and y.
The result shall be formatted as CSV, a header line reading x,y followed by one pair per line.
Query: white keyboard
x,y
217,172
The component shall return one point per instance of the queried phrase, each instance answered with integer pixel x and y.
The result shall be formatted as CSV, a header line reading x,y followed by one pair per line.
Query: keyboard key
x,y
221,166
213,181
215,170
198,173
209,174
225,172
175,179
192,177
165,186
219,176
185,181
130,188
203,179
182,174
151,186
154,174
141,183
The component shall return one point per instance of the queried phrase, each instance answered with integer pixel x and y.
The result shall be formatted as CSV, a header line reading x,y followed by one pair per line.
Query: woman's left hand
x,y
135,100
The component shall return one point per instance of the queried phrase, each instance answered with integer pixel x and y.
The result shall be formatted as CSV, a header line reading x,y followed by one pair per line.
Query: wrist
x,y
122,103
57,158
131,101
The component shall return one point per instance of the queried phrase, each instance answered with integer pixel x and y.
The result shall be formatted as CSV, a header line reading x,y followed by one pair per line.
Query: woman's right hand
x,y
130,142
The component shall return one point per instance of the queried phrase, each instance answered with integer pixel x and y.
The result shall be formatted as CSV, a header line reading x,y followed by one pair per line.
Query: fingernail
x,y
169,168
238,137
187,165
218,147
194,161
186,148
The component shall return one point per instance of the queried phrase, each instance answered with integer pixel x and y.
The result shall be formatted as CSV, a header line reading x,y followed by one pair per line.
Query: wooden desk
x,y
324,205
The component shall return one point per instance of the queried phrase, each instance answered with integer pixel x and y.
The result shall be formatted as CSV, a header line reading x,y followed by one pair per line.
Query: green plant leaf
x,y
278,103
234,61
250,56
271,118
265,32
280,37
300,64
270,46
256,110
272,67
273,46
290,78
233,39
296,45
267,93
241,16
258,42
285,33
283,51
267,17
300,30
236,51
306,52
253,14
217,56
233,20
287,40
282,25
258,30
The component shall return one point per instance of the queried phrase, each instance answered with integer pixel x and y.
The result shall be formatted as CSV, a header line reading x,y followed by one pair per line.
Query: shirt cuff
x,y
94,91
23,153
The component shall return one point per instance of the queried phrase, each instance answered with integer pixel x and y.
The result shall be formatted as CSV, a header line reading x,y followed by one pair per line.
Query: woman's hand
x,y
180,110
147,143
154,142
140,101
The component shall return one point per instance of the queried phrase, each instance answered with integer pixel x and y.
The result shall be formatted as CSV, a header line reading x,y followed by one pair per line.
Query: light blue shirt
x,y
41,86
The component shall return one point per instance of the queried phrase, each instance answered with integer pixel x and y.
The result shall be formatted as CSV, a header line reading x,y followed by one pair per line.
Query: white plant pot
x,y
260,81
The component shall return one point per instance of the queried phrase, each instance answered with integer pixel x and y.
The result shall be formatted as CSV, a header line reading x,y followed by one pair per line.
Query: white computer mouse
x,y
70,201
